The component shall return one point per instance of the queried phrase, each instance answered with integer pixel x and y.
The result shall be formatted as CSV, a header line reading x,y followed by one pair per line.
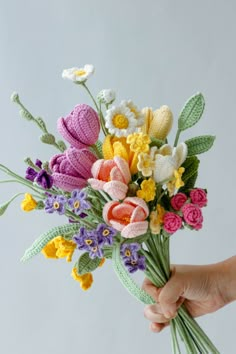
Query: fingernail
x,y
168,315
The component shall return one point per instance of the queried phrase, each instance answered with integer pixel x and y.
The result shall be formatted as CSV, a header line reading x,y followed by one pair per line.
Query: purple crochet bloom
x,y
133,264
30,174
95,252
105,234
78,202
44,179
38,163
85,239
55,203
130,250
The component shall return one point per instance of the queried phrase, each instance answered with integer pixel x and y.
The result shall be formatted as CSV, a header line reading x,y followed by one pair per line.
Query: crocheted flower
x,y
78,202
120,121
59,248
81,127
157,219
55,203
192,215
113,146
88,240
148,189
145,164
30,174
158,123
130,250
135,264
168,161
112,176
139,142
199,197
129,217
106,96
178,201
172,222
29,203
72,168
44,179
105,234
85,280
78,75
139,116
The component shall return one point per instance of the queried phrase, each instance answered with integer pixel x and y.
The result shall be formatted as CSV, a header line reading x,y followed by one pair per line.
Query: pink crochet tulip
x,y
81,127
112,176
72,168
127,217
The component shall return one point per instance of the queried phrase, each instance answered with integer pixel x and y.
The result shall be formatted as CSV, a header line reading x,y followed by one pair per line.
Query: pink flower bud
x,y
172,222
178,200
192,215
199,197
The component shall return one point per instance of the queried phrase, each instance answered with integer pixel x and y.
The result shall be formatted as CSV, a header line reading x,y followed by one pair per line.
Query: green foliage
x,y
61,145
190,183
192,112
156,142
191,165
86,264
199,144
47,138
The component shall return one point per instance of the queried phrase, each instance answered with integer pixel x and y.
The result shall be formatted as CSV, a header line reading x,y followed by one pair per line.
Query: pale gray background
x,y
155,52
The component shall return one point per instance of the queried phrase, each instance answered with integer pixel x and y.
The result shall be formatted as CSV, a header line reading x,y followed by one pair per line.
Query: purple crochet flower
x,y
38,163
85,239
130,250
78,202
95,252
55,203
30,174
105,234
134,264
44,179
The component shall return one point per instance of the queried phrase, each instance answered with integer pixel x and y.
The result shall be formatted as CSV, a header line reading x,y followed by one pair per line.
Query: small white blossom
x,y
78,75
139,116
107,96
120,121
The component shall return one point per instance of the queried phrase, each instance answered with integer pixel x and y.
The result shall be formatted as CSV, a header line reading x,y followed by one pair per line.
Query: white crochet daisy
x,y
120,121
78,74
139,116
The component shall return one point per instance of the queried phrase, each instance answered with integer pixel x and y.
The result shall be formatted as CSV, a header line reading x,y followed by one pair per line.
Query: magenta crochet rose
x,y
178,200
199,197
192,215
72,169
81,127
172,222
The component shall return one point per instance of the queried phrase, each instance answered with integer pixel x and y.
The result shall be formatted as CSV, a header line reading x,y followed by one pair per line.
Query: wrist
x,y
226,279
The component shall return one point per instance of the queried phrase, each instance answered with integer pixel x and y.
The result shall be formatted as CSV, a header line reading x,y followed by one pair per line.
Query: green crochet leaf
x,y
62,145
39,244
192,112
189,184
4,206
107,252
127,281
156,142
191,165
99,147
47,138
199,144
86,264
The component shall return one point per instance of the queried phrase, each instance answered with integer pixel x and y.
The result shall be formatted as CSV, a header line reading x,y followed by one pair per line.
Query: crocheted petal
x,y
67,169
62,128
81,160
135,201
96,184
105,170
138,214
115,189
120,150
161,123
96,168
86,124
116,175
68,183
180,154
55,161
164,168
117,225
122,211
107,148
107,211
135,229
124,168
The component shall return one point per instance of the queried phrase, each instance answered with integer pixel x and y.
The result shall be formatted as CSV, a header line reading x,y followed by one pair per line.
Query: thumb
x,y
169,296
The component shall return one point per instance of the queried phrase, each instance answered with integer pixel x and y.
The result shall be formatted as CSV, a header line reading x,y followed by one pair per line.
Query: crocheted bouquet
x,y
123,194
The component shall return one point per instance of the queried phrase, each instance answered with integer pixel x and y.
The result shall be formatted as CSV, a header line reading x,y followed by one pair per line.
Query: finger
x,y
150,312
158,327
151,289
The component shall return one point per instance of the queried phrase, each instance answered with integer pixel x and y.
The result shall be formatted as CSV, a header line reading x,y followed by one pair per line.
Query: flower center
x,y
105,232
120,121
126,219
127,253
80,72
94,249
133,262
56,205
76,204
88,242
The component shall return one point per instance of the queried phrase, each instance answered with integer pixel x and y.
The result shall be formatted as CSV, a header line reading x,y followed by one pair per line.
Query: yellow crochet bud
x,y
148,114
28,203
86,280
59,248
161,123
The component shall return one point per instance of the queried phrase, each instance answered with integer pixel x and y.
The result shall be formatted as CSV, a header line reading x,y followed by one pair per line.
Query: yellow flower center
x,y
127,253
94,249
133,262
80,72
120,121
88,242
105,232
76,204
126,219
56,205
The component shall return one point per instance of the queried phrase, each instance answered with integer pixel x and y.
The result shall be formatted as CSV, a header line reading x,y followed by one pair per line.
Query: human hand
x,y
203,289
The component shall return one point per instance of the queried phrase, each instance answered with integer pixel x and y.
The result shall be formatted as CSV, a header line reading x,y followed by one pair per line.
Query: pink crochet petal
x,y
107,210
115,189
96,168
138,215
55,160
67,169
124,168
135,201
68,183
62,129
86,124
105,170
117,225
81,160
135,229
123,211
116,175
96,184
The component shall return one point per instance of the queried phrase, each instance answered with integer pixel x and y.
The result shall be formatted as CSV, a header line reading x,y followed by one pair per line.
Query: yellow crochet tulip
x,y
85,280
158,123
59,248
28,203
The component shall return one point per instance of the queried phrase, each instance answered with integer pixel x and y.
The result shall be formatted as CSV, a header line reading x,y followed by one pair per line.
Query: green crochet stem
x,y
40,242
